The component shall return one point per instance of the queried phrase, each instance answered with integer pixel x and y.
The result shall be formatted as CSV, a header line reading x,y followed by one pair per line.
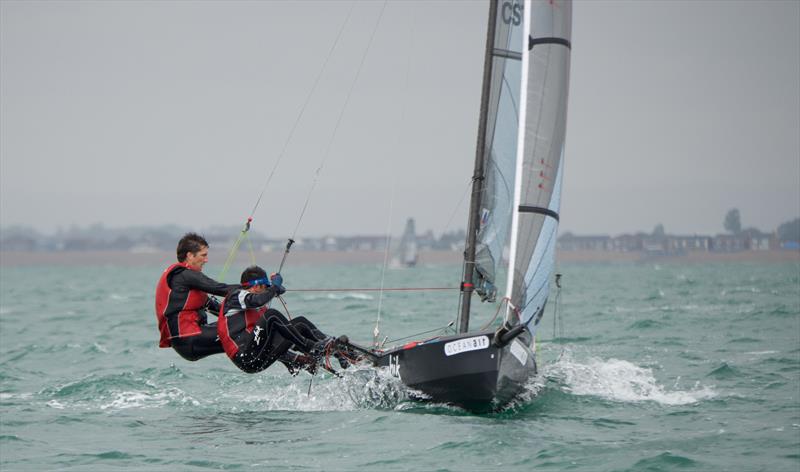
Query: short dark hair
x,y
190,242
252,273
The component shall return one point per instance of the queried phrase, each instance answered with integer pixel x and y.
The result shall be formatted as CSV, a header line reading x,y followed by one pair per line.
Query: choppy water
x,y
660,367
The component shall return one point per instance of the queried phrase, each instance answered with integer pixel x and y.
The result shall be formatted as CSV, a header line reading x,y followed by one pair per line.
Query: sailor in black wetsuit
x,y
254,337
182,300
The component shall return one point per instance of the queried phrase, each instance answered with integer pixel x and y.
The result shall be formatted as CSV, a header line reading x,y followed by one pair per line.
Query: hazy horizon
x,y
149,113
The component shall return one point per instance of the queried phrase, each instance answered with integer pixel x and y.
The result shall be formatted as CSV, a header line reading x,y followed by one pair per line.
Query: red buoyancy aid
x,y
177,313
250,316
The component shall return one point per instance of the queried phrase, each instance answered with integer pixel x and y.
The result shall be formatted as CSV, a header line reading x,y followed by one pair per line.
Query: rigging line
x,y
234,249
339,120
442,328
505,300
458,206
303,108
376,331
372,289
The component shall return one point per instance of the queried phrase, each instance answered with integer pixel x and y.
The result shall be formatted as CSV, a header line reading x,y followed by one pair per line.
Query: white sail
x,y
502,125
545,81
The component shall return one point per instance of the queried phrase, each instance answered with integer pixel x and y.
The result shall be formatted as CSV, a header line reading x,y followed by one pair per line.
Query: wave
x,y
117,392
725,371
646,324
620,381
666,460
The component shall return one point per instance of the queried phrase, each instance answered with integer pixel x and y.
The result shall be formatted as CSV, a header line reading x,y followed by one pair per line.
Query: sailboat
x,y
406,254
513,217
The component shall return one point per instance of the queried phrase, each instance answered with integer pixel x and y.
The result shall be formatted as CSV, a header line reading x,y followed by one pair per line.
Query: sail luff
x,y
477,176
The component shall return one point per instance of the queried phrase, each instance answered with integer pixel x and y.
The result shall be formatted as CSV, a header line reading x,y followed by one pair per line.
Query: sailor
x,y
255,336
182,300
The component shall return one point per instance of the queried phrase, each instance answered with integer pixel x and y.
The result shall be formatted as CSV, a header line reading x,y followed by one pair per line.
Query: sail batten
x,y
507,54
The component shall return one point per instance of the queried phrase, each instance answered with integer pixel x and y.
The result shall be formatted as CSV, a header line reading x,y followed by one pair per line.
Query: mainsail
x,y
524,144
545,79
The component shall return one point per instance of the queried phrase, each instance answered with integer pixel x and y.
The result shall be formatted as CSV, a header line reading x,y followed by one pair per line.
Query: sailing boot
x,y
322,348
340,353
295,362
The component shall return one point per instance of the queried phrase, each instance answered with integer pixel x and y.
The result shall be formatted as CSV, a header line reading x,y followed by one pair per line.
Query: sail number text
x,y
511,12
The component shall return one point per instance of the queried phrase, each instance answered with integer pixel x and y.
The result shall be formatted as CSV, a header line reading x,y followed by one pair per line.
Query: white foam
x,y
16,396
621,381
357,389
139,399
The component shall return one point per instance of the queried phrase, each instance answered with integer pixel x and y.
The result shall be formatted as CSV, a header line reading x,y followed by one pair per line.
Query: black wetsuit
x,y
255,337
183,320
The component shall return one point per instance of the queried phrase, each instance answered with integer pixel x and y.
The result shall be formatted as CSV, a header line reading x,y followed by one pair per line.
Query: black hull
x,y
467,370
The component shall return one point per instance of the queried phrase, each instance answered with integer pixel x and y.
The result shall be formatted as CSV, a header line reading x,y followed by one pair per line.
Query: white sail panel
x,y
539,165
501,147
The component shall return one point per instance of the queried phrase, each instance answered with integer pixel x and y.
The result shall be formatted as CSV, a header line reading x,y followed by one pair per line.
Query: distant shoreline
x,y
305,258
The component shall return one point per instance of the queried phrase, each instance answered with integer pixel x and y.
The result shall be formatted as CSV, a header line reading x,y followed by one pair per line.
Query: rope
x,y
376,331
504,301
458,206
397,289
443,328
338,121
243,234
235,249
303,108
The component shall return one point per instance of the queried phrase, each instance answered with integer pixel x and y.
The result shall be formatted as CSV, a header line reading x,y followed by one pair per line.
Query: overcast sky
x,y
148,113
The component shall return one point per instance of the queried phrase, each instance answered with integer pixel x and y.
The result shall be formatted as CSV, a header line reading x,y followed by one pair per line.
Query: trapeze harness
x,y
181,301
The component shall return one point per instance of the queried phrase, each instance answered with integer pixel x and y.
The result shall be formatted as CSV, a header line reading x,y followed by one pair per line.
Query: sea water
x,y
655,366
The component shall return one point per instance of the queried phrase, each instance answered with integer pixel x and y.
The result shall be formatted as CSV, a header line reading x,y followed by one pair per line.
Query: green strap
x,y
235,249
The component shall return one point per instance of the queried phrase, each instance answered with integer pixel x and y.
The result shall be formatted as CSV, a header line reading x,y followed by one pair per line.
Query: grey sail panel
x,y
540,171
501,148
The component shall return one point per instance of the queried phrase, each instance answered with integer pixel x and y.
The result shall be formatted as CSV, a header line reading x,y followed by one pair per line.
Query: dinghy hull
x,y
467,370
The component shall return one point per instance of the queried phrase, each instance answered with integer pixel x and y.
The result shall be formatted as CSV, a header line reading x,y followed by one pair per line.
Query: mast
x,y
467,284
